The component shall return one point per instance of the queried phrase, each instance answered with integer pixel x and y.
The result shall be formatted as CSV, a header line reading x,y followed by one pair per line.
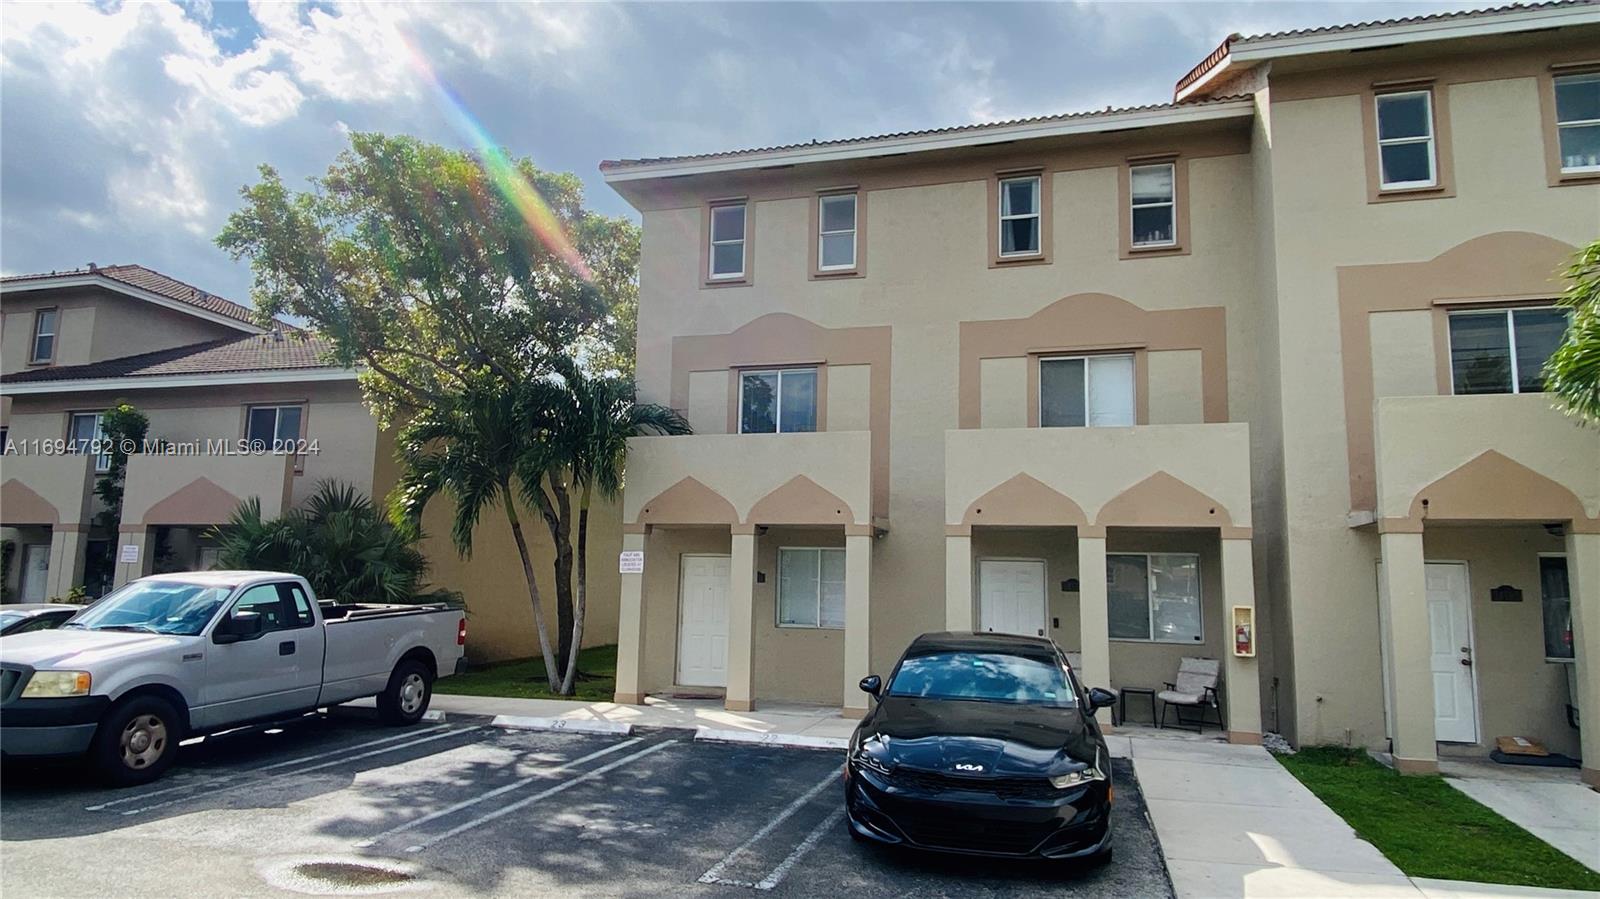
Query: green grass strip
x,y
525,679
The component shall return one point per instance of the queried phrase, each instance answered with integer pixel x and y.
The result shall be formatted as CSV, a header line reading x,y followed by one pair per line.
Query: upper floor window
x,y
1405,140
1021,217
44,335
836,232
274,428
1503,350
779,401
86,434
1578,122
1080,391
811,588
727,241
1154,198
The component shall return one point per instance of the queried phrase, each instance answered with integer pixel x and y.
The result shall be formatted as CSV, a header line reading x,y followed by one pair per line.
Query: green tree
x,y
594,417
1573,372
123,428
449,278
338,541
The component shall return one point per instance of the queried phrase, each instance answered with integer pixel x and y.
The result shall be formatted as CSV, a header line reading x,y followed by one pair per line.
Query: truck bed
x,y
334,612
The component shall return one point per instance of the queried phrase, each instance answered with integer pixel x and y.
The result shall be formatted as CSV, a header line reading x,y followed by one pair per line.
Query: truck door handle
x,y
286,648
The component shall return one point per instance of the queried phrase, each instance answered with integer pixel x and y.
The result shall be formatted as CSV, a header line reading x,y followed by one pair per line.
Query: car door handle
x,y
286,648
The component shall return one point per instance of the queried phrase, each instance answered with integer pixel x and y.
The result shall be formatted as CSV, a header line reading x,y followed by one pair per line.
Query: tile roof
x,y
154,282
615,164
229,355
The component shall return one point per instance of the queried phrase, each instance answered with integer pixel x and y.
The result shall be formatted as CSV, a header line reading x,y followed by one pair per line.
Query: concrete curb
x,y
792,741
568,725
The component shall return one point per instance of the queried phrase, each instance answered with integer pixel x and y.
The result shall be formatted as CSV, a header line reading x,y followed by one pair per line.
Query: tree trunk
x,y
533,586
561,543
569,685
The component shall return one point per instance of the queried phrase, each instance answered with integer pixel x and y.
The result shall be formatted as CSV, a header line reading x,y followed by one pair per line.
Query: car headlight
x,y
867,760
56,684
1086,774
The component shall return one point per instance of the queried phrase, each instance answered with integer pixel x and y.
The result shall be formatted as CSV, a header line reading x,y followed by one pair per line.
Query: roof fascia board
x,y
1223,65
923,143
154,382
1416,32
132,291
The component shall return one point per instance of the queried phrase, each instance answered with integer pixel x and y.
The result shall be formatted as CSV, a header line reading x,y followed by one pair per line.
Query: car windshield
x,y
157,607
9,618
983,677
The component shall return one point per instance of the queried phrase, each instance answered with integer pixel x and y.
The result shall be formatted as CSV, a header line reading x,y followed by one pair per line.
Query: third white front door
x,y
703,622
1012,596
35,571
1455,707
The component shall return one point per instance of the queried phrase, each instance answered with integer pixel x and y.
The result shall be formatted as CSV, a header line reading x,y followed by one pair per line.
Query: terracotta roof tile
x,y
229,355
156,283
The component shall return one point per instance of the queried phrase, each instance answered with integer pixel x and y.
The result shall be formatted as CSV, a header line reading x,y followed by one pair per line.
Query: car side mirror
x,y
241,625
1101,698
872,684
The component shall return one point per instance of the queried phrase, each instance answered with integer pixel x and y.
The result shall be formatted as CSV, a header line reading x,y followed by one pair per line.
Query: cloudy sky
x,y
127,128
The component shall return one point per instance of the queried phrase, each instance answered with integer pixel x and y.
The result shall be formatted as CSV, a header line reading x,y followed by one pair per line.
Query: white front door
x,y
1455,707
1012,596
703,622
35,571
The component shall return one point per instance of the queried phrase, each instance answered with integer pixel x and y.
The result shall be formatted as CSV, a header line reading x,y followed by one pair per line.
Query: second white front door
x,y
1455,706
1012,596
35,571
703,622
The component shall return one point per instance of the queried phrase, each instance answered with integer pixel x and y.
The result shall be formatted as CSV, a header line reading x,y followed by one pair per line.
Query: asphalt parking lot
x,y
341,805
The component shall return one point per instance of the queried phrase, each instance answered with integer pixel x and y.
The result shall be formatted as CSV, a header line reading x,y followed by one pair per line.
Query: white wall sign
x,y
130,553
631,562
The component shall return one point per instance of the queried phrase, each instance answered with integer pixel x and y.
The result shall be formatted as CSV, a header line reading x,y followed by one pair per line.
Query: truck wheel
x,y
136,742
407,696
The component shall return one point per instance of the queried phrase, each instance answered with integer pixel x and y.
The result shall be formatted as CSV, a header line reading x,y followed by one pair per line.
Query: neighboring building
x,y
209,378
1146,380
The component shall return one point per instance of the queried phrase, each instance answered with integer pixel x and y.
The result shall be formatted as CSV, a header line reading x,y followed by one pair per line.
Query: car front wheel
x,y
137,741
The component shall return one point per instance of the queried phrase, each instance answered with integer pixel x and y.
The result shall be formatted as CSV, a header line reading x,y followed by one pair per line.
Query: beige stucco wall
x,y
152,480
96,324
1322,220
1519,693
928,246
1398,367
1175,388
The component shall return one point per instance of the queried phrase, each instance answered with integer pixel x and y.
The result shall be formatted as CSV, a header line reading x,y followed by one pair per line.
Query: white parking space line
x,y
782,870
499,791
542,794
252,781
714,873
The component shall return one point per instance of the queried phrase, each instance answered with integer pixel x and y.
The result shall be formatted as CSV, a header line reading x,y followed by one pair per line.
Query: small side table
x,y
1122,701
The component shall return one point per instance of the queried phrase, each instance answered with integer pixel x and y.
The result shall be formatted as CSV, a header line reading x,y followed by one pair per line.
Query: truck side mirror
x,y
241,625
872,684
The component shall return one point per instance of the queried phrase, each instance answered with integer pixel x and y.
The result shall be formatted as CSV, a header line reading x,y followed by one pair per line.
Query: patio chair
x,y
1195,688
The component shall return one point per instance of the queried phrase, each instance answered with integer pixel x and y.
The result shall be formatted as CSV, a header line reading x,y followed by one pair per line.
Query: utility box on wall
x,y
1244,631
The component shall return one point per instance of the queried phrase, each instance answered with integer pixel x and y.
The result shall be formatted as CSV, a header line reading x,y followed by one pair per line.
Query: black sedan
x,y
983,744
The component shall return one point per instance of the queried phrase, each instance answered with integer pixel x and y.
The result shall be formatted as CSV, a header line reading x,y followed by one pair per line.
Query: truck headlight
x,y
1086,774
56,684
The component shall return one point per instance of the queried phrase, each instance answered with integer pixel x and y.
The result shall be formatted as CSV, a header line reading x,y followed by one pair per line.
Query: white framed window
x,y
1086,391
1154,597
1503,350
1405,140
86,433
1578,122
1021,218
1155,205
273,428
727,241
1555,603
778,401
836,232
44,335
810,587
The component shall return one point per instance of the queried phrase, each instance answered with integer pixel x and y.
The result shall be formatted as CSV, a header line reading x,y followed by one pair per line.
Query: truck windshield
x,y
157,607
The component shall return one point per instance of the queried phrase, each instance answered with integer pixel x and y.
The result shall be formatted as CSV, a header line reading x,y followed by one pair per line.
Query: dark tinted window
x,y
983,677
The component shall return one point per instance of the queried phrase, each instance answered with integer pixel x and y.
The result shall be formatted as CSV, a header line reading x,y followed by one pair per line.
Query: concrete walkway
x,y
777,719
1234,823
1553,804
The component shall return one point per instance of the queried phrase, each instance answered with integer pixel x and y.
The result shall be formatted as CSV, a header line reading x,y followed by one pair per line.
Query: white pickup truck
x,y
173,656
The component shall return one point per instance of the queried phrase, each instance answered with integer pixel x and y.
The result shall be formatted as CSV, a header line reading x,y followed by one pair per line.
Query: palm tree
x,y
338,541
479,452
599,415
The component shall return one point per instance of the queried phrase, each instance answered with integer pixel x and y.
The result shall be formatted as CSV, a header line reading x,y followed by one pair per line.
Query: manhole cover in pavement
x,y
342,877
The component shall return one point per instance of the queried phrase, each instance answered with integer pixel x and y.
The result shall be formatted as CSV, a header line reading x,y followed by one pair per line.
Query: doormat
x,y
1553,760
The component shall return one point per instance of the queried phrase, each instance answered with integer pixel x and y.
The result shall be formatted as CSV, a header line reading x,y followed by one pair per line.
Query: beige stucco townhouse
x,y
1251,375
209,378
